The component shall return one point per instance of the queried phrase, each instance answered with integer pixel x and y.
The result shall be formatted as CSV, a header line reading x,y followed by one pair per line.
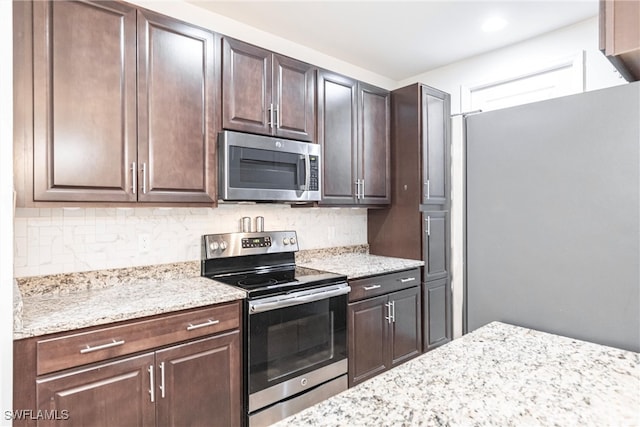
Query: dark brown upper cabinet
x,y
353,129
119,105
267,93
620,36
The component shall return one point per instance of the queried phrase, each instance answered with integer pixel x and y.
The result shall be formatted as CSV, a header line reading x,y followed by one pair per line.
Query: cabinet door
x,y
84,69
111,394
200,382
368,339
246,87
373,142
337,134
406,329
177,111
435,244
435,147
294,84
437,306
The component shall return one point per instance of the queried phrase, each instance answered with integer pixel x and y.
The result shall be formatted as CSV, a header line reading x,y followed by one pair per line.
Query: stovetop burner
x,y
263,264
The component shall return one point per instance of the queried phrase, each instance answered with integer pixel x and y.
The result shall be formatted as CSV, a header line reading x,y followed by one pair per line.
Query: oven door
x,y
296,342
254,167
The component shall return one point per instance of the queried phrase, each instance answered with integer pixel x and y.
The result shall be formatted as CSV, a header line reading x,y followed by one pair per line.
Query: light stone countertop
x,y
64,302
498,375
97,298
355,264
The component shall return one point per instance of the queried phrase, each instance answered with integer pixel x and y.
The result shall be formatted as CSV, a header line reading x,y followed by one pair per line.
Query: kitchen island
x,y
498,375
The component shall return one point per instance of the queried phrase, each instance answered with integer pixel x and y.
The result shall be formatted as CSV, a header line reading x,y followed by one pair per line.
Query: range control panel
x,y
256,242
239,244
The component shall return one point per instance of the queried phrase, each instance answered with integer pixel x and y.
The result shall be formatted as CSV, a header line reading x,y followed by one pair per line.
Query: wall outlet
x,y
144,243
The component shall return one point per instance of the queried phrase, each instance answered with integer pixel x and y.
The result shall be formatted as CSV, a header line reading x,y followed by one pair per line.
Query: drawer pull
x,y
372,287
89,349
209,322
408,279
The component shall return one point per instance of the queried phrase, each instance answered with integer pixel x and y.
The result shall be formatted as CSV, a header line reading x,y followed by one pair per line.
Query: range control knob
x,y
214,246
285,241
292,240
223,245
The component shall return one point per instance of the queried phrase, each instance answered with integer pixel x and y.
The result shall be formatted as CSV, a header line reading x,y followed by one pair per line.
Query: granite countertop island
x,y
499,375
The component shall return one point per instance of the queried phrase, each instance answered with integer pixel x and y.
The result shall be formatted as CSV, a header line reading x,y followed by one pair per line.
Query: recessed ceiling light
x,y
493,24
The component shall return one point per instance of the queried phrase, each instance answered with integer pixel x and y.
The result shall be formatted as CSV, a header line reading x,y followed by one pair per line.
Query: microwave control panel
x,y
313,167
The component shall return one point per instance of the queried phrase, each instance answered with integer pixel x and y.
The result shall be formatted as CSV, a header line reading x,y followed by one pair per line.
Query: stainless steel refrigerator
x,y
553,216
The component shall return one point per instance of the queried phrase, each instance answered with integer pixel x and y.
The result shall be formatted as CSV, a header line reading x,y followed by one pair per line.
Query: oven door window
x,y
267,169
291,341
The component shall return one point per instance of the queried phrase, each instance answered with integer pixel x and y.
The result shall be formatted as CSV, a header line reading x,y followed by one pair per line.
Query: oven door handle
x,y
297,298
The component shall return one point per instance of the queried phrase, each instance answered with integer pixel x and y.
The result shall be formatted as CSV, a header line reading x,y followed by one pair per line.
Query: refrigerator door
x,y
553,216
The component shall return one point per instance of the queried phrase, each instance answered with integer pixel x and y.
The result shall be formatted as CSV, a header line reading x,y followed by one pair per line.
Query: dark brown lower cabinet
x,y
191,384
110,394
384,331
437,313
200,382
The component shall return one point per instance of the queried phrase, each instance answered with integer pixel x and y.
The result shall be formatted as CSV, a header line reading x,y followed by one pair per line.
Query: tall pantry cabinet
x,y
416,224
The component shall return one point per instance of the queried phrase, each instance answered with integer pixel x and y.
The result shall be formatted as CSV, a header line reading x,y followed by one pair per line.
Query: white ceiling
x,y
401,39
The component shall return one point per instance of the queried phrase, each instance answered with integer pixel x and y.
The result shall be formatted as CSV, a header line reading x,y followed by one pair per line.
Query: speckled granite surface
x,y
70,301
61,302
498,375
353,261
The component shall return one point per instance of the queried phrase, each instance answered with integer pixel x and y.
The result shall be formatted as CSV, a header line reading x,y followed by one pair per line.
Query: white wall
x,y
6,212
50,241
524,58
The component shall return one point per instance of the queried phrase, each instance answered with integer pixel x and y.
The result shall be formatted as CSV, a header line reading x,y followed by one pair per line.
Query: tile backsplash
x,y
66,240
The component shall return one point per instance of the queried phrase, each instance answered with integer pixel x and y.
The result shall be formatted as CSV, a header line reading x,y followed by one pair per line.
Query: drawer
x,y
78,349
383,284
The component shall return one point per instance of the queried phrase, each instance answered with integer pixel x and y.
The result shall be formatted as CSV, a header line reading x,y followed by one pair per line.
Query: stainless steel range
x,y
295,341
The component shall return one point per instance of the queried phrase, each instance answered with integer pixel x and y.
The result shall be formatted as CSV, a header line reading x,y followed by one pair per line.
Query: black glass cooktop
x,y
279,281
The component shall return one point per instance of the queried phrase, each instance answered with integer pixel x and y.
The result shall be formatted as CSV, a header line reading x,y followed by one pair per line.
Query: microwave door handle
x,y
304,158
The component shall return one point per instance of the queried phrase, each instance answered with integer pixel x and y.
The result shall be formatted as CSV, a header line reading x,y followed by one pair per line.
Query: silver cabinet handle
x,y
428,231
357,189
270,123
388,305
428,190
162,380
152,386
90,349
369,288
209,322
362,190
393,308
407,279
134,178
144,178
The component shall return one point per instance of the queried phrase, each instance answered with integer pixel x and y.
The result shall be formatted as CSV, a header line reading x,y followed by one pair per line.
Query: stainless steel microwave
x,y
263,168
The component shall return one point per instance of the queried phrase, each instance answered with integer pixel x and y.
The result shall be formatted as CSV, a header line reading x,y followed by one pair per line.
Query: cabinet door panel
x,y
406,330
437,314
176,111
111,394
84,101
337,133
246,87
295,83
368,342
201,382
435,122
374,145
436,230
